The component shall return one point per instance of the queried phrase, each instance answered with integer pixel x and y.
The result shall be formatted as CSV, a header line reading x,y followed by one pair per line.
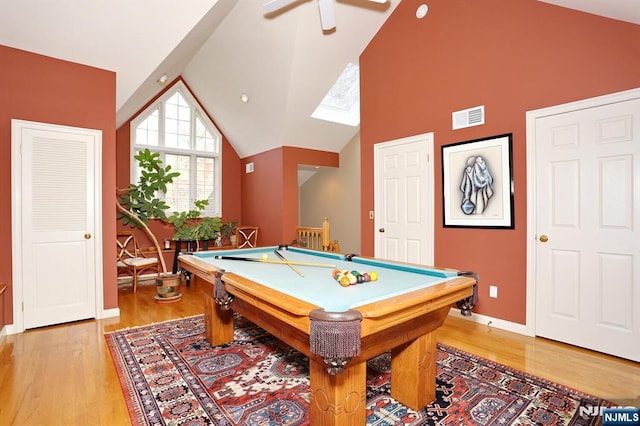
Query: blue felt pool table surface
x,y
318,285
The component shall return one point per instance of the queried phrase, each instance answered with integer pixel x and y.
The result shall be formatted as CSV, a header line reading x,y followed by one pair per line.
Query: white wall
x,y
335,193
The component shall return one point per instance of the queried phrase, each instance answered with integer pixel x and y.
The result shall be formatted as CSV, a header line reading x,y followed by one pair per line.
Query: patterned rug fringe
x,y
134,327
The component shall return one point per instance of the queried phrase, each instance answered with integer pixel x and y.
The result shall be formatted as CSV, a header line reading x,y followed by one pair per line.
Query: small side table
x,y
189,246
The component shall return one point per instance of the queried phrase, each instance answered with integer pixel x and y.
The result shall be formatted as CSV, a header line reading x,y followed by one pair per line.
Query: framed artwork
x,y
477,180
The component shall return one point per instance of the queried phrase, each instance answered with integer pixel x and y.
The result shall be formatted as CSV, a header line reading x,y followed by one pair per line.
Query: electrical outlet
x,y
493,291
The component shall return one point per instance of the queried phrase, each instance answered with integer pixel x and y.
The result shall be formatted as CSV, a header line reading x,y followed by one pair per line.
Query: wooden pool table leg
x,y
413,372
337,400
218,324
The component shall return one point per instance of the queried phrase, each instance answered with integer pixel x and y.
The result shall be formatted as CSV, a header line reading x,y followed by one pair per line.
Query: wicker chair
x,y
247,236
131,260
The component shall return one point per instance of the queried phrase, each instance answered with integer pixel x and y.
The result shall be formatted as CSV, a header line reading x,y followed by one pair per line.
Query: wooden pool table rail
x,y
377,316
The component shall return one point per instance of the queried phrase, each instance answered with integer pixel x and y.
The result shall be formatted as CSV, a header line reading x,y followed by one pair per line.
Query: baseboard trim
x,y
105,313
12,329
109,313
491,322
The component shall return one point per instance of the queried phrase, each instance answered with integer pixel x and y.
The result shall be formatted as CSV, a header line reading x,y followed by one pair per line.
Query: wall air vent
x,y
468,117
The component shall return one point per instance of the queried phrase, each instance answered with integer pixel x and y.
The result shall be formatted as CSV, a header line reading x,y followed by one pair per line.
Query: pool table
x,y
337,327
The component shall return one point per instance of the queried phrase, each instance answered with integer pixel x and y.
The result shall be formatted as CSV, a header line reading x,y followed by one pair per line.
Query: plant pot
x,y
168,288
234,241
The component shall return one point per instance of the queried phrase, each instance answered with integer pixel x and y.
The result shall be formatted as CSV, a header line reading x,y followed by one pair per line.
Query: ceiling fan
x,y
327,13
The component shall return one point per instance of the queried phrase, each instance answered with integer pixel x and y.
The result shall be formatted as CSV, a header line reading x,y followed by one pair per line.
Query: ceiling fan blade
x,y
327,14
274,5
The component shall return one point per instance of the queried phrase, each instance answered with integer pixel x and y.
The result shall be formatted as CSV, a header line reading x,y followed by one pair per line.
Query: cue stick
x,y
298,271
278,262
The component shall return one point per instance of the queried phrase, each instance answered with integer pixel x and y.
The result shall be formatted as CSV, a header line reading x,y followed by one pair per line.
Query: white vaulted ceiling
x,y
223,48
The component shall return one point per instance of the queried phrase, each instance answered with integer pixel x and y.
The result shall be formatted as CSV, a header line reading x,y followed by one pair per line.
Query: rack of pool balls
x,y
347,278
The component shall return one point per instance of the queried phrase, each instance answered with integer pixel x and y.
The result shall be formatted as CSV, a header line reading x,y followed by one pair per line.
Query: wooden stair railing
x,y
317,238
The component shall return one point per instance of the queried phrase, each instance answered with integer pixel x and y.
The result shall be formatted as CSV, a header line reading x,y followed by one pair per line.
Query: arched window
x,y
176,127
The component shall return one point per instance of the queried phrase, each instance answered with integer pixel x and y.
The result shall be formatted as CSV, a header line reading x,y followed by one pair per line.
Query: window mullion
x,y
161,125
195,186
193,175
193,128
161,195
193,178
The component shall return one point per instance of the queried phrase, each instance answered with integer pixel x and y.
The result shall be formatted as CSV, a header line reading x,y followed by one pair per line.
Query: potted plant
x,y
139,202
190,226
209,228
228,231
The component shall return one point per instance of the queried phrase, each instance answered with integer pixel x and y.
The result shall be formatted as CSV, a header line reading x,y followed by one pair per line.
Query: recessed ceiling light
x,y
244,98
422,10
163,79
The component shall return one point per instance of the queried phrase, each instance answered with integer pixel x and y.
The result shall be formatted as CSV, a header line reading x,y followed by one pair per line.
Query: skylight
x,y
342,103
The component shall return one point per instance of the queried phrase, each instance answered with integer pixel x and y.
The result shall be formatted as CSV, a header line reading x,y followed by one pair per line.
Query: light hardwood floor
x,y
64,375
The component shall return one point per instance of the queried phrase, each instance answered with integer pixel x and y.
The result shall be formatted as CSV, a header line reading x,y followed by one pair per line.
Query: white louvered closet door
x,y
59,215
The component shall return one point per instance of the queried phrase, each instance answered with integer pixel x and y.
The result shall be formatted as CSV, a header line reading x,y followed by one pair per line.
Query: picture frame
x,y
477,181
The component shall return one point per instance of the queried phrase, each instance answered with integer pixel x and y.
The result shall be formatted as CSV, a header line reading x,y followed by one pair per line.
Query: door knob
x,y
87,236
544,238
381,230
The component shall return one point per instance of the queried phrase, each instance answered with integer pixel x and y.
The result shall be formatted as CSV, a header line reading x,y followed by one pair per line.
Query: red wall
x,y
38,88
270,193
511,56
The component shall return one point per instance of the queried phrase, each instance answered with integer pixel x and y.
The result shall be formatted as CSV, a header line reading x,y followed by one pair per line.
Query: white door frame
x,y
16,220
532,239
430,204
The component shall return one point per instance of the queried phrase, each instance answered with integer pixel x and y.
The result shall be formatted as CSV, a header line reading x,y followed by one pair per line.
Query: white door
x,y
57,205
403,171
587,273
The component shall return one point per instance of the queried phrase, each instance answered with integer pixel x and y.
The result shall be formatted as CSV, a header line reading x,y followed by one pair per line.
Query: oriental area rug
x,y
171,375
